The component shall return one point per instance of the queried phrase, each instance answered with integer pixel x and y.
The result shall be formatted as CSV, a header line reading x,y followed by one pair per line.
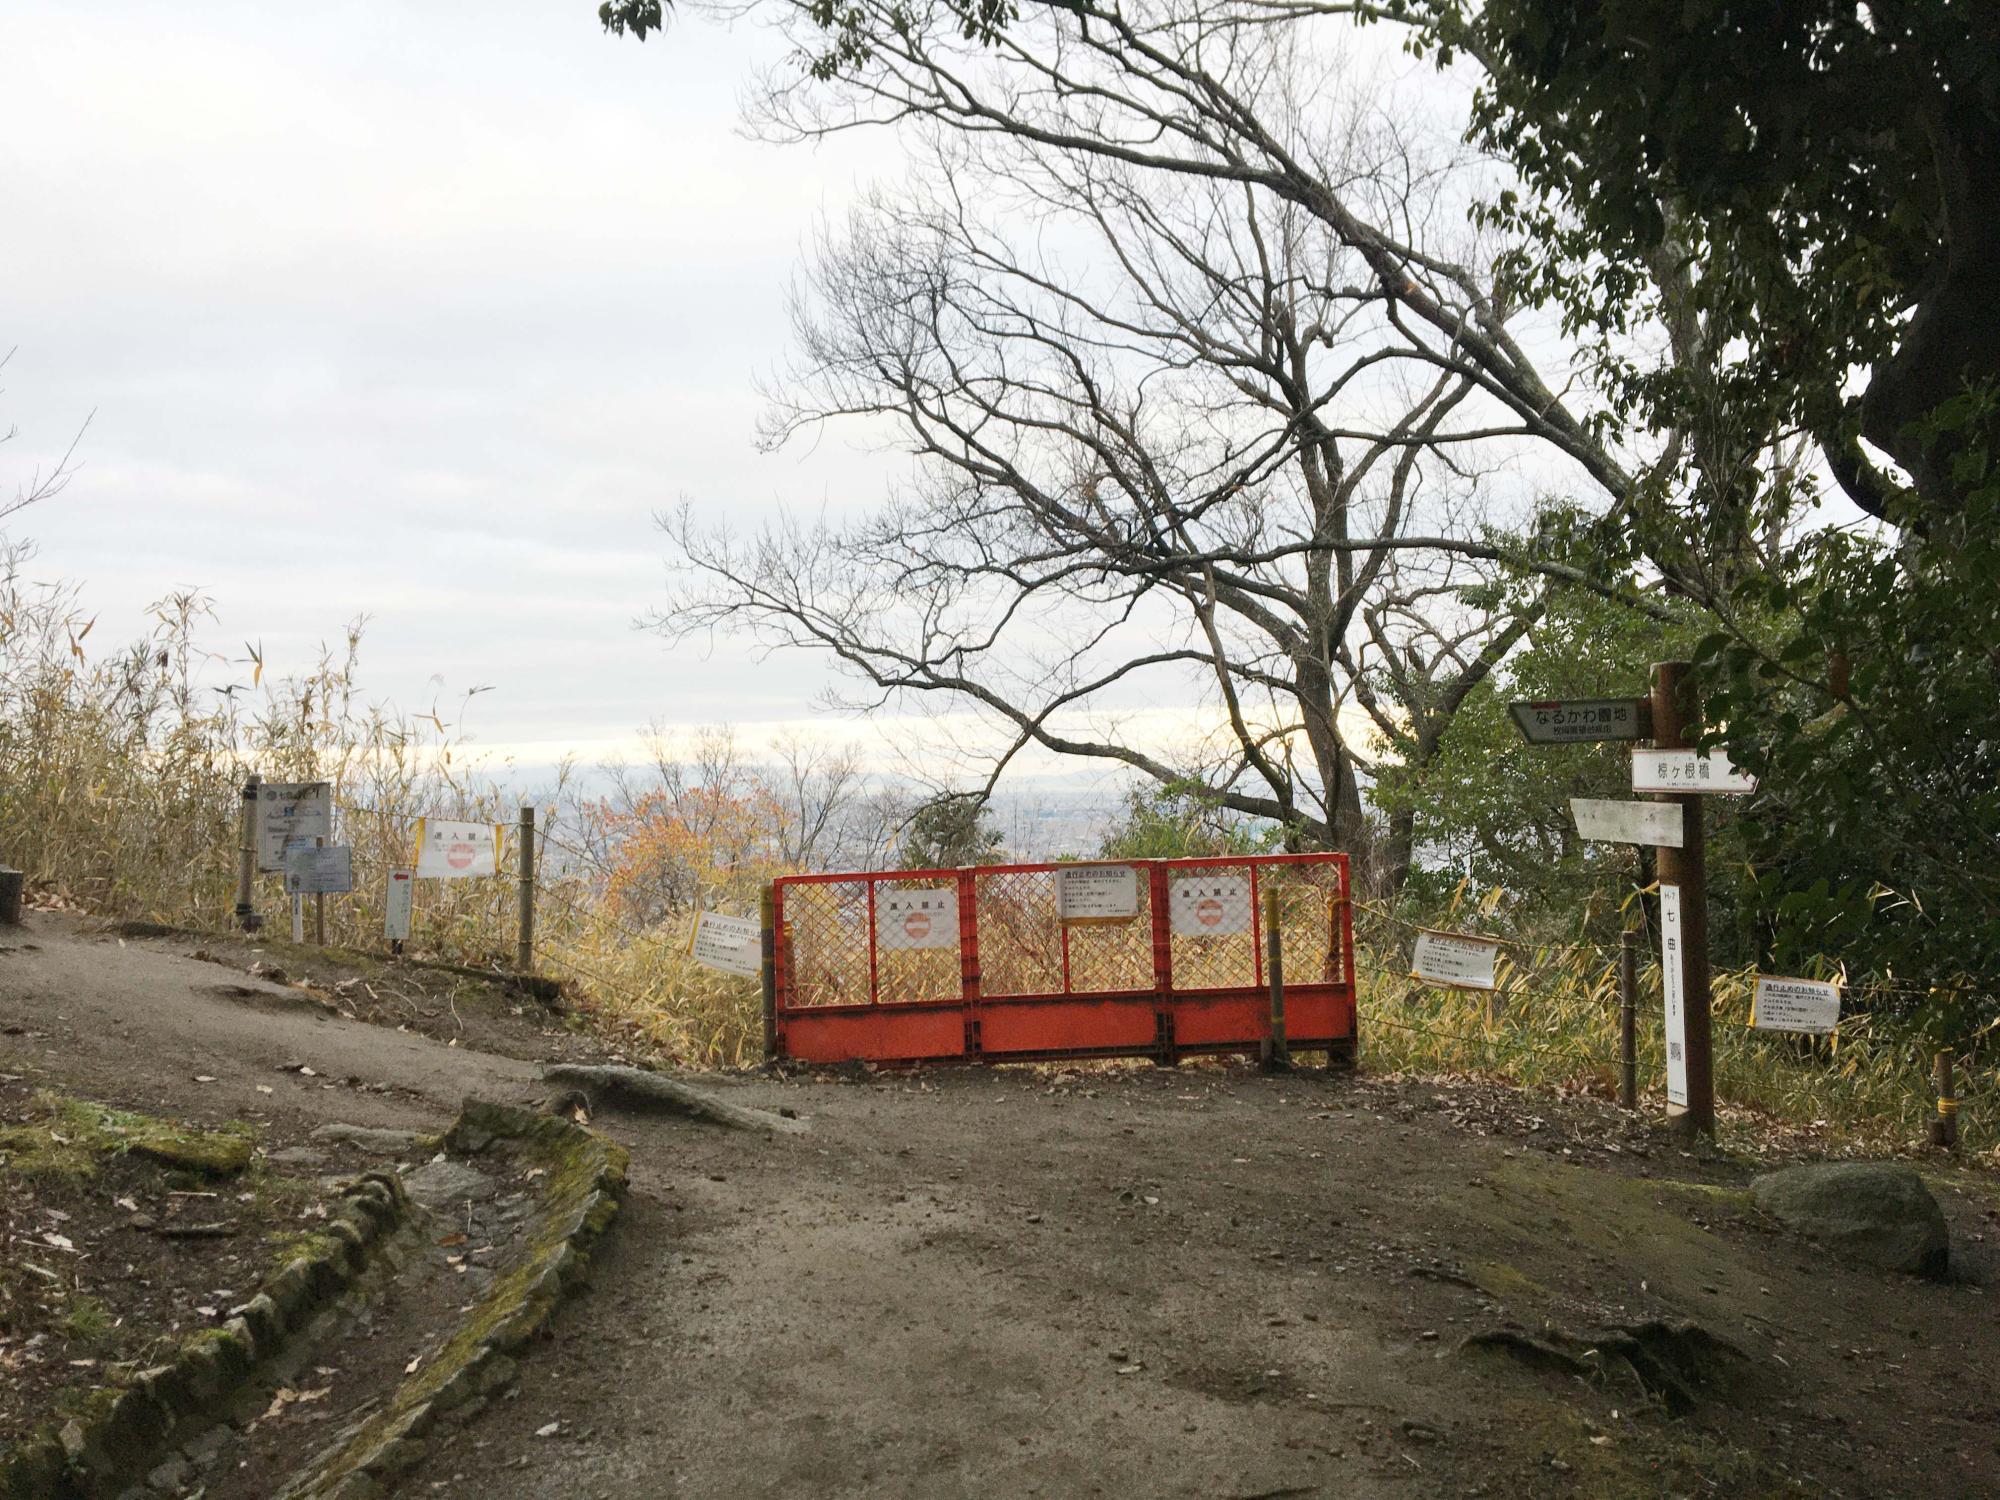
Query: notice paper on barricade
x,y
290,812
1097,893
1454,958
1209,905
925,918
398,905
1784,1004
318,869
449,850
735,945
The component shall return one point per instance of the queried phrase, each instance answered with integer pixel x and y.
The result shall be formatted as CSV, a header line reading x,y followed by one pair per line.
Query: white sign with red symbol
x,y
397,906
1453,959
1097,893
448,850
907,918
1209,905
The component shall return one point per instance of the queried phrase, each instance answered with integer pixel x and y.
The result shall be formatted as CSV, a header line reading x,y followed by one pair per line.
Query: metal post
x,y
1687,867
1277,1056
1944,1129
524,946
246,864
768,970
1628,1019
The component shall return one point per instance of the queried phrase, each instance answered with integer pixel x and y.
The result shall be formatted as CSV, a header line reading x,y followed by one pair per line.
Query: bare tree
x,y
42,484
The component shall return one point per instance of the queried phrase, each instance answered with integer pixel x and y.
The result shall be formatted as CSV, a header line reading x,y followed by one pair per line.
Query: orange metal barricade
x,y
1025,962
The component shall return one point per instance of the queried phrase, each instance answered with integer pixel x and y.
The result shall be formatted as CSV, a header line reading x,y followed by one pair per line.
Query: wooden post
x,y
1944,1129
246,858
1277,1057
768,970
524,945
1687,868
1628,1019
319,907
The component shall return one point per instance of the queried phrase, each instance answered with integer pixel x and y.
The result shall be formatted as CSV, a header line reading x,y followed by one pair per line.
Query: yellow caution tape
x,y
1947,1107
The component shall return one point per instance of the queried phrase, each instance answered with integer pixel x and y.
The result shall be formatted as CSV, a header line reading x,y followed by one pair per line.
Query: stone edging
x,y
586,1182
91,1455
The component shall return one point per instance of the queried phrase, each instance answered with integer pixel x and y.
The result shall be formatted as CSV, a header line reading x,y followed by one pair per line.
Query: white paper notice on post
x,y
735,945
397,905
1097,893
448,850
1454,959
1673,985
1213,905
1786,1004
291,812
925,918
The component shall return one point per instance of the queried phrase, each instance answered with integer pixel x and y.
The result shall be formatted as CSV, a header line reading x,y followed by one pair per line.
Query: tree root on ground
x,y
1676,1364
637,1087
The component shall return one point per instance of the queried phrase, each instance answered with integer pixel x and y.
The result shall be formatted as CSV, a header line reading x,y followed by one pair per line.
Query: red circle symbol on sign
x,y
918,925
458,856
1208,911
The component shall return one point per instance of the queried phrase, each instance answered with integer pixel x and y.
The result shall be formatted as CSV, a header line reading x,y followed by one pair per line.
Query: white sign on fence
x,y
448,850
318,870
1673,985
1688,771
1212,905
922,918
735,945
291,812
397,905
1097,893
1453,958
1657,823
1783,1004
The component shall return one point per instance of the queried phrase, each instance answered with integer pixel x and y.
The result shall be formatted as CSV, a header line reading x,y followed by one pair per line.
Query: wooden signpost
x,y
1677,776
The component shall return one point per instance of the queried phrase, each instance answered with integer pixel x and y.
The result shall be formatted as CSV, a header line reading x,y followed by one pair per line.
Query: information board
x,y
1673,985
1210,905
1097,893
318,870
922,918
735,945
1454,958
291,812
1786,1004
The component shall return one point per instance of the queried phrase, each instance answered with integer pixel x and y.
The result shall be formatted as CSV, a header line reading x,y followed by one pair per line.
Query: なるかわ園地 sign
x,y
1579,721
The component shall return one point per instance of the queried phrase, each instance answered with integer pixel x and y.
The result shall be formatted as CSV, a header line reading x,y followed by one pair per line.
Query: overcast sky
x,y
417,311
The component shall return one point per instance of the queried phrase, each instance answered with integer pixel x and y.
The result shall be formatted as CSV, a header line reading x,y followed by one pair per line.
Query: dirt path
x,y
1125,1283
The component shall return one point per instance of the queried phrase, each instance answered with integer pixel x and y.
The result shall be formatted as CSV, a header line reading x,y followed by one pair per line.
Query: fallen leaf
x,y
203,1078
549,1431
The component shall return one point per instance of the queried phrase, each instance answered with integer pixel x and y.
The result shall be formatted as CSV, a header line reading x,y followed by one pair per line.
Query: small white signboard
x,y
1784,1004
1097,893
318,870
919,918
1212,905
1656,823
1688,771
1454,959
1673,985
735,945
291,812
449,850
398,904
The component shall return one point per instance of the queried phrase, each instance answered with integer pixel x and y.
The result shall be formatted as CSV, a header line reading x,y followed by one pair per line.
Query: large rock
x,y
1871,1211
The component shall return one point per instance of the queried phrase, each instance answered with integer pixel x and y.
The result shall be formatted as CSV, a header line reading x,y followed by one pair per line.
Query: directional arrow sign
x,y
1657,823
1574,721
